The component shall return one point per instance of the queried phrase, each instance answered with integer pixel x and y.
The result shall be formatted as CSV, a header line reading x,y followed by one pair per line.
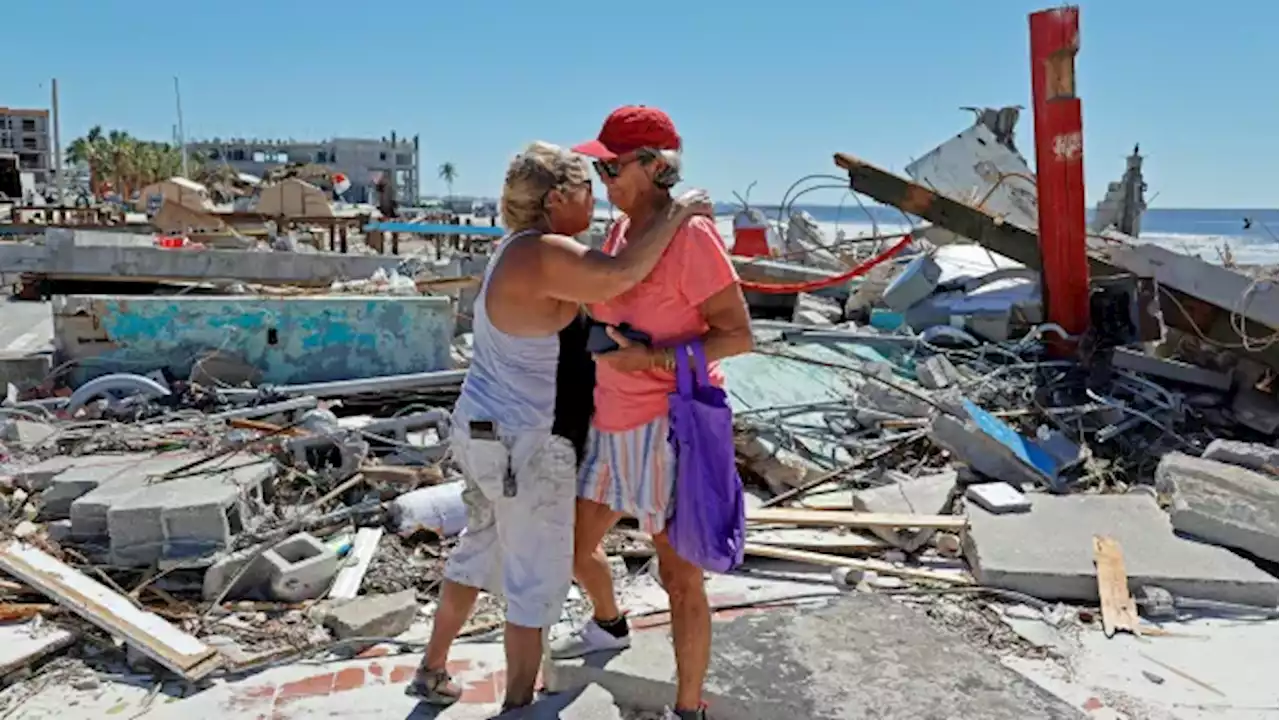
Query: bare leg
x,y
456,602
690,622
524,656
592,521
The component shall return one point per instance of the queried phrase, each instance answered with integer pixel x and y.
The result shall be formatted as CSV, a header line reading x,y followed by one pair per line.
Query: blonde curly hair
x,y
535,172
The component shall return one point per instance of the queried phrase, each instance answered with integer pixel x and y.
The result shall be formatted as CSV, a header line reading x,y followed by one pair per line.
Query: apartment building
x,y
363,161
25,133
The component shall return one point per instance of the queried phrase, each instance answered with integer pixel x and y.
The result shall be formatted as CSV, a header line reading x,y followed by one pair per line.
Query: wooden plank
x,y
1023,245
850,519
149,633
877,566
347,584
1119,611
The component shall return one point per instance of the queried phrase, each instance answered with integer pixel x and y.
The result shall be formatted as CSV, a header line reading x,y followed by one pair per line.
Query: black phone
x,y
599,342
483,430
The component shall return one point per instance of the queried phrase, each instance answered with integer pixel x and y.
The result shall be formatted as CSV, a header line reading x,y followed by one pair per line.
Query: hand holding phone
x,y
599,342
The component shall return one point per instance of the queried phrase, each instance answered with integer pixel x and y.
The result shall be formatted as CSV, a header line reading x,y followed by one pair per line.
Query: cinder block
x,y
115,480
300,568
79,477
185,518
252,585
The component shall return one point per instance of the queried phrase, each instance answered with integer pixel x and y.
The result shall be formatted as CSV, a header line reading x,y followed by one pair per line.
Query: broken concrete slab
x,y
26,433
928,495
373,616
23,644
1255,456
1223,504
797,662
1048,552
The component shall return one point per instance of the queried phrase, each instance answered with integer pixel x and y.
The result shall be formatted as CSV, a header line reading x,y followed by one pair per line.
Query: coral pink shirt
x,y
694,267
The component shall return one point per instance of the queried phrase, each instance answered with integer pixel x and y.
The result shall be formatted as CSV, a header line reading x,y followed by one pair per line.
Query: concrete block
x,y
797,663
185,518
36,478
1254,456
1048,552
251,585
998,498
85,474
373,615
1223,504
928,495
300,568
916,282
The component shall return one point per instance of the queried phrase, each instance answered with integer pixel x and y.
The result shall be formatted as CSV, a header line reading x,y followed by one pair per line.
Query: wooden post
x,y
1055,39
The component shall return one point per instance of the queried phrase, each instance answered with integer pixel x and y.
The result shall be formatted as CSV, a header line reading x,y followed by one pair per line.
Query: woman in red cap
x,y
629,467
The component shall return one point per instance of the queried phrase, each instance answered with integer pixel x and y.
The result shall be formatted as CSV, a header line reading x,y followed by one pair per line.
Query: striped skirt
x,y
632,471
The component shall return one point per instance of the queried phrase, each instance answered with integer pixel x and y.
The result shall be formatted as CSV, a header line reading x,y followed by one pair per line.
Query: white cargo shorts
x,y
519,546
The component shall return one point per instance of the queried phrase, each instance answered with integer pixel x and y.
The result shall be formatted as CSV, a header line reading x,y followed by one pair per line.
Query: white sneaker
x,y
589,638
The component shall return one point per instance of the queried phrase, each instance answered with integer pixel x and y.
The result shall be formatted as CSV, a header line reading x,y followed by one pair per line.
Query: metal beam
x,y
1022,245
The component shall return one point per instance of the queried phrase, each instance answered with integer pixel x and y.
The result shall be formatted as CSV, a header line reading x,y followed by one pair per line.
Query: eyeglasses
x,y
611,169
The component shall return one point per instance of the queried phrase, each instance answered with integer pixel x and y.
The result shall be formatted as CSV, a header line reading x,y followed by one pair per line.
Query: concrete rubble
x,y
916,451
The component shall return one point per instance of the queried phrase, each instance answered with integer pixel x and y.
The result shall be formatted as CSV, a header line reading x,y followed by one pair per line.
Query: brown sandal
x,y
434,687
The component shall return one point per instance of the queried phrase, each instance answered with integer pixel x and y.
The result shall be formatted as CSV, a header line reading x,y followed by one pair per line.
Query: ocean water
x,y
1199,232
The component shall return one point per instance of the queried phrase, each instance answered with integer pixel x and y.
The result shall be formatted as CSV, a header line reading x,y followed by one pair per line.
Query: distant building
x,y
26,134
363,161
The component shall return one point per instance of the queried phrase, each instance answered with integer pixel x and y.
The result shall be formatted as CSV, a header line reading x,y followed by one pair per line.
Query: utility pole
x,y
57,147
182,138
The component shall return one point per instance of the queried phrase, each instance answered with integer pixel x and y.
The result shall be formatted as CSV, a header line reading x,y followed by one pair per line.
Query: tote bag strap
x,y
691,373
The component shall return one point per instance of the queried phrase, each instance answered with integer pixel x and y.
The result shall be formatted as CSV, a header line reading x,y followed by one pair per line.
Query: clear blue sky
x,y
759,90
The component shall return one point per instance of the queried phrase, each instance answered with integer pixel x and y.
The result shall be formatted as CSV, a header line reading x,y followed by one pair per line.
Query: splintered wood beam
x,y
1179,309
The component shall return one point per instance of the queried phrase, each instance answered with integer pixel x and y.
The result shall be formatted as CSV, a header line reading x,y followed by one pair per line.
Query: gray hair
x,y
535,172
669,176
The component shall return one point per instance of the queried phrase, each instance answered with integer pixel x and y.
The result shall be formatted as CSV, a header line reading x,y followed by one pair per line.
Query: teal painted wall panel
x,y
289,340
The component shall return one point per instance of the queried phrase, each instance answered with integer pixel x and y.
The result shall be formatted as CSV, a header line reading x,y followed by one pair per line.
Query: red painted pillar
x,y
1055,39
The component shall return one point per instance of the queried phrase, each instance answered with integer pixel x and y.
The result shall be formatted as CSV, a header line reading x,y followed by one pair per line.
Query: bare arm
x,y
728,334
571,271
729,324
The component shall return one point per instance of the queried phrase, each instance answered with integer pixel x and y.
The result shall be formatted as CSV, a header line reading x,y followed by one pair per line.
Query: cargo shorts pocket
x,y
484,464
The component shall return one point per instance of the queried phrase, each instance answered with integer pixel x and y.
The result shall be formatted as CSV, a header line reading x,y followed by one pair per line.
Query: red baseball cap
x,y
629,128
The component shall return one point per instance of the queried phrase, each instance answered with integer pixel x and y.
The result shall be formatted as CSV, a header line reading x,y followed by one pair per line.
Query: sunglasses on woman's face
x,y
611,169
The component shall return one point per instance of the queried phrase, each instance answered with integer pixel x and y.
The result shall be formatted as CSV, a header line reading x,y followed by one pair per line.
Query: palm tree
x,y
448,173
127,162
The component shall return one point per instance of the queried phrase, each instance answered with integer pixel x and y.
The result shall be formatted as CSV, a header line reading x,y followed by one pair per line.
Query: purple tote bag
x,y
708,522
